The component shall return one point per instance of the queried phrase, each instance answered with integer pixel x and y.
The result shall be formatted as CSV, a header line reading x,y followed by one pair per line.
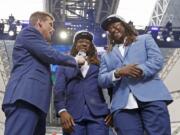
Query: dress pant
x,y
89,125
151,118
24,119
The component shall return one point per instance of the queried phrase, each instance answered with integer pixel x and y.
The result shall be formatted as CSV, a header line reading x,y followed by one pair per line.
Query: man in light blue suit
x,y
28,92
139,99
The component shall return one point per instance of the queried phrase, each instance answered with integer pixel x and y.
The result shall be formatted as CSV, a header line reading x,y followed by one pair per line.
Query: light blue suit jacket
x,y
144,52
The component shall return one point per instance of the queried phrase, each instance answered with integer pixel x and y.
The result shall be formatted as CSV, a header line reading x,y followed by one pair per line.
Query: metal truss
x,y
71,10
105,8
175,94
4,61
158,13
170,63
2,73
77,10
156,20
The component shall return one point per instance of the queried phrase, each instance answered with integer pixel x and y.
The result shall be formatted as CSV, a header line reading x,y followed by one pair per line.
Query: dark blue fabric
x,y
30,78
24,119
150,117
88,127
73,92
30,75
83,99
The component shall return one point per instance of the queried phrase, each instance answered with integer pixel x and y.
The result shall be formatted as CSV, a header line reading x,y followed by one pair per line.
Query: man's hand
x,y
129,70
67,122
80,60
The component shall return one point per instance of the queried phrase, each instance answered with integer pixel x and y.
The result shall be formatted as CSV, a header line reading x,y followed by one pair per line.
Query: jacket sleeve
x,y
39,48
105,76
154,62
60,90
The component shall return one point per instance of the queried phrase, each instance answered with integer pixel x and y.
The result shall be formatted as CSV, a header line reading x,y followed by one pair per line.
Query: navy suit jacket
x,y
72,91
146,54
30,75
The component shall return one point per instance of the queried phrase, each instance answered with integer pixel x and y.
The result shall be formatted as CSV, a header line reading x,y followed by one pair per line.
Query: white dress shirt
x,y
132,103
84,69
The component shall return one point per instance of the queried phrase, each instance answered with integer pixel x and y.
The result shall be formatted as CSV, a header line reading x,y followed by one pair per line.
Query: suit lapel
x,y
126,51
90,70
118,53
79,74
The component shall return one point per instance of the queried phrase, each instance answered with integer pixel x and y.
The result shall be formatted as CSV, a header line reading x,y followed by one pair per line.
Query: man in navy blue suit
x,y
28,92
79,100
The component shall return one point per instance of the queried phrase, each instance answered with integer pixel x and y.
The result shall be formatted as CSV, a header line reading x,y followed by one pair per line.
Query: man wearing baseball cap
x,y
131,67
78,98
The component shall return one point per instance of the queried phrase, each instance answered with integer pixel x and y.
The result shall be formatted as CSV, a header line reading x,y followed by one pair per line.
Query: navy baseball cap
x,y
111,19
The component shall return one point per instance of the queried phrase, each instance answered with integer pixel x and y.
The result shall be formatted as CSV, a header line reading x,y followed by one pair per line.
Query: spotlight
x,y
168,39
11,33
158,37
12,30
63,35
103,35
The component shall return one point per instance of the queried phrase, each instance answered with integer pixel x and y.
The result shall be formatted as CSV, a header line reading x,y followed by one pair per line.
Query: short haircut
x,y
39,15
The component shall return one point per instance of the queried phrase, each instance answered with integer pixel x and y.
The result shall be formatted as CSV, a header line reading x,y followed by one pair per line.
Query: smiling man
x,y
131,67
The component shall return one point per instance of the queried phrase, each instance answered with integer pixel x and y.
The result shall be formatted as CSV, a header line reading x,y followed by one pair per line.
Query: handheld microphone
x,y
82,53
